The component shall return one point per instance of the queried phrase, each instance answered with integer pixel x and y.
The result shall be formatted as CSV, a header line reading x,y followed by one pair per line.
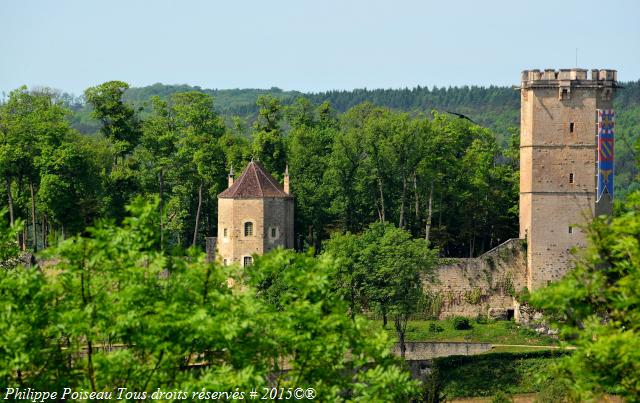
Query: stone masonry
x,y
486,285
558,165
255,215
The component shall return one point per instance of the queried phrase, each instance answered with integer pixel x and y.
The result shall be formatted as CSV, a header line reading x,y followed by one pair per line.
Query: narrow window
x,y
224,232
248,229
571,127
273,232
570,178
570,229
248,260
224,262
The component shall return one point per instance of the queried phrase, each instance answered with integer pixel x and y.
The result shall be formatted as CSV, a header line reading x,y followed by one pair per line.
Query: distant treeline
x,y
494,107
497,108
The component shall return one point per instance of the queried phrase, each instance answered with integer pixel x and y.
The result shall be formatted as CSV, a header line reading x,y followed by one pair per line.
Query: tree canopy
x,y
382,270
346,170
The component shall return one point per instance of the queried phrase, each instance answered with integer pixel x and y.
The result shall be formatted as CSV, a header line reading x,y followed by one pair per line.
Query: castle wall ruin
x,y
486,285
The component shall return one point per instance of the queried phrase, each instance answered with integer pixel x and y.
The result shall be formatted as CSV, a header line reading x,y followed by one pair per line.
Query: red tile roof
x,y
255,182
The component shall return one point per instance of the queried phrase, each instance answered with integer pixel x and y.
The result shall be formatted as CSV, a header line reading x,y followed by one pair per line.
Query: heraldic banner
x,y
606,121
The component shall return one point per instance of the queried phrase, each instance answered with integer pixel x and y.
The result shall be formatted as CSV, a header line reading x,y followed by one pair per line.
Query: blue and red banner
x,y
606,122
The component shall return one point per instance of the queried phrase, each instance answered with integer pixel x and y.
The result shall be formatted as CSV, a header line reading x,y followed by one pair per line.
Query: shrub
x,y
501,397
431,305
474,296
523,296
433,328
432,388
461,323
553,390
509,325
482,319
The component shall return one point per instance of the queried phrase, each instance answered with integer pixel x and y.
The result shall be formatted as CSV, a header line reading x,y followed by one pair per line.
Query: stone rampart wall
x,y
485,285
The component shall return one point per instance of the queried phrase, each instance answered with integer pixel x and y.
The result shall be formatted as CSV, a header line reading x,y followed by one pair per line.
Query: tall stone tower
x,y
255,215
558,164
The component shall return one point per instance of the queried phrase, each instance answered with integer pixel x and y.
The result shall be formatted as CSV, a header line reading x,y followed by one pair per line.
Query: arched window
x,y
248,229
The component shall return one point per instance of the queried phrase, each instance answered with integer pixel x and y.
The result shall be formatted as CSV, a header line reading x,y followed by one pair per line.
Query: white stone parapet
x,y
575,76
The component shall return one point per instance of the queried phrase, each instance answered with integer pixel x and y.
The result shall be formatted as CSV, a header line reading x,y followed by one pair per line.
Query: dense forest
x,y
355,157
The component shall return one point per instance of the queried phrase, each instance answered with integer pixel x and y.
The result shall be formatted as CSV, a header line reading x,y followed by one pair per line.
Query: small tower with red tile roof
x,y
255,215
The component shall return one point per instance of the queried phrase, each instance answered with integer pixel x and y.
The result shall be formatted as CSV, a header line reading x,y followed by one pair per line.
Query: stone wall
x,y
485,285
278,221
426,350
232,215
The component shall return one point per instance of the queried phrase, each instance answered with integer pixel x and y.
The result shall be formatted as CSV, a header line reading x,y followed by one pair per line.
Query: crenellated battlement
x,y
569,77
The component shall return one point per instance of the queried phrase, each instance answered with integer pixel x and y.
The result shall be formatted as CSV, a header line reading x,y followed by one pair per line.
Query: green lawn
x,y
516,349
495,332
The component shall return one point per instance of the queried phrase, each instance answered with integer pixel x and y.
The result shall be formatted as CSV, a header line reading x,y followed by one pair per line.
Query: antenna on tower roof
x,y
576,57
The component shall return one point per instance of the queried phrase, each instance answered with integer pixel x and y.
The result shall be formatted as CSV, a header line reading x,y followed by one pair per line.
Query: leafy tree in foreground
x,y
9,248
118,312
598,304
325,347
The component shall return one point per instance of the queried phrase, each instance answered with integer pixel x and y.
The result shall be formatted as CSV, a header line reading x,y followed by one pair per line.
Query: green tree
x,y
387,267
350,277
345,175
9,248
269,145
597,305
237,150
31,123
199,151
311,135
71,184
471,181
119,121
157,152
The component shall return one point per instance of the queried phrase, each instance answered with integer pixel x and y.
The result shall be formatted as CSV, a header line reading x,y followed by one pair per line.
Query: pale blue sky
x,y
310,45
